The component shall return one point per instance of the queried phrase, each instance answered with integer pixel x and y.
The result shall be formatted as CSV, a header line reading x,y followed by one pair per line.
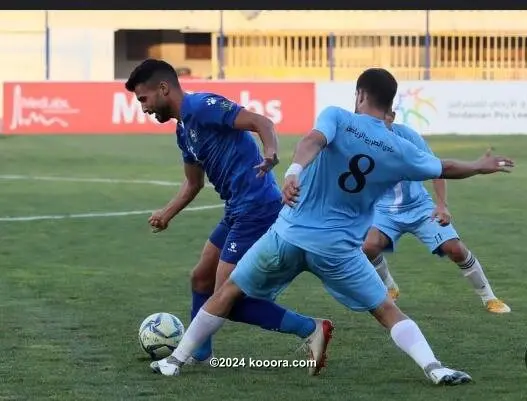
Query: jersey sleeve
x,y
328,122
215,110
419,165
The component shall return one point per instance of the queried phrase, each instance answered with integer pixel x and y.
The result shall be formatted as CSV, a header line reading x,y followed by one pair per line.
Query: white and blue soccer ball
x,y
160,334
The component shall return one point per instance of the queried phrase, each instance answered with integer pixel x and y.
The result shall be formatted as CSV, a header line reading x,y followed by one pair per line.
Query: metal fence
x,y
342,56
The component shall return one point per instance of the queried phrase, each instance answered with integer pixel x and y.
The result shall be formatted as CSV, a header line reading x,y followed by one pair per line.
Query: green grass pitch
x,y
73,291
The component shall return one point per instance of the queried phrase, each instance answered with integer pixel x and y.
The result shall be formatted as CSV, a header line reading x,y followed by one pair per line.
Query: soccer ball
x,y
160,333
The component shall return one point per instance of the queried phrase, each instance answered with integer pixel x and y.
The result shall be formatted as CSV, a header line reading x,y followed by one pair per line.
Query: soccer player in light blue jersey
x,y
214,136
409,208
339,171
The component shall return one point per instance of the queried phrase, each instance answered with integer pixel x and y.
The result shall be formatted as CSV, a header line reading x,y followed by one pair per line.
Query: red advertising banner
x,y
107,108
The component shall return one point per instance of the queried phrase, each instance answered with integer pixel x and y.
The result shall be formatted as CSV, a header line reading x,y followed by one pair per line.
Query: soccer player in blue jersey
x,y
214,136
409,208
339,171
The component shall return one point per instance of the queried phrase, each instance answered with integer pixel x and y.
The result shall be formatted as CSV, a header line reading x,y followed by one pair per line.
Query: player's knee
x,y
229,292
202,280
203,276
372,249
374,243
455,250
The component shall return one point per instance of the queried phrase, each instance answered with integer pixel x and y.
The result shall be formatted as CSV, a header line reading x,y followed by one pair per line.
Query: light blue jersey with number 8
x,y
339,189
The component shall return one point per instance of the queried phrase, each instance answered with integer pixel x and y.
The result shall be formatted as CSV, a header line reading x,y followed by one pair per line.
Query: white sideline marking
x,y
94,215
99,180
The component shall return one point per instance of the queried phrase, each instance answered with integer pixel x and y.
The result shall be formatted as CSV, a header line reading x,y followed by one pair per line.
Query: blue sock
x,y
298,324
270,316
205,350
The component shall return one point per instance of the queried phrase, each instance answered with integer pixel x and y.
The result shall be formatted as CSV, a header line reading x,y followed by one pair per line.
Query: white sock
x,y
408,337
202,327
473,272
381,265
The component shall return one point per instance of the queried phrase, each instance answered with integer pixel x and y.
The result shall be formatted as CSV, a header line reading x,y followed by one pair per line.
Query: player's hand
x,y
488,164
290,190
270,160
158,221
442,215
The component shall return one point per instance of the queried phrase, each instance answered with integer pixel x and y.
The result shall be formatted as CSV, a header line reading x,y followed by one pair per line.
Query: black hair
x,y
151,70
380,85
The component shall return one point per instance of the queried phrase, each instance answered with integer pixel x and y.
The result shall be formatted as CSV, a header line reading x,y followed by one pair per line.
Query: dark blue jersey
x,y
206,135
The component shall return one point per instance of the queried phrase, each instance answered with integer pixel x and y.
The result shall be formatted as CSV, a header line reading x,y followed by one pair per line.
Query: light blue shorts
x,y
417,222
272,263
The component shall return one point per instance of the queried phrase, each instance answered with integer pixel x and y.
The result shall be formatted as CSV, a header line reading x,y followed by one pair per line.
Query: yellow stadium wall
x,y
82,42
209,21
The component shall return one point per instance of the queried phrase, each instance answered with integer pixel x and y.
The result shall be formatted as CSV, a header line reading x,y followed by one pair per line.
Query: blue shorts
x,y
417,222
234,235
272,263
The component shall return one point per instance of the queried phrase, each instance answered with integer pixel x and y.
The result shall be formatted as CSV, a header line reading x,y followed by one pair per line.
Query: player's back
x,y
405,195
339,189
228,155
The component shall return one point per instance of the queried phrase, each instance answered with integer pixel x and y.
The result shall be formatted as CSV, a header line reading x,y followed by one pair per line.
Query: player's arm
x,y
312,144
486,164
191,187
248,121
440,213
421,166
439,184
307,150
440,191
194,182
220,112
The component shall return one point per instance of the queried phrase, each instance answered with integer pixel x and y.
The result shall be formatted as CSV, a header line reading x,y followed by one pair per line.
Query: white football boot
x,y
317,344
194,361
168,366
439,374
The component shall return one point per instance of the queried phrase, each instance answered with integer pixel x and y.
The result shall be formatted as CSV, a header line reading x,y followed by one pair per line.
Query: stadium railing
x,y
342,56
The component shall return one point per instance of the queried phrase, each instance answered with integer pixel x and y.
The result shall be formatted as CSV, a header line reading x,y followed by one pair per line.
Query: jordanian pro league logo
x,y
413,109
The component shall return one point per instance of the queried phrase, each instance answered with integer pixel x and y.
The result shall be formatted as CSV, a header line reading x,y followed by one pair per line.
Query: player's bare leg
x,y
203,279
223,272
373,247
409,338
203,276
471,269
212,317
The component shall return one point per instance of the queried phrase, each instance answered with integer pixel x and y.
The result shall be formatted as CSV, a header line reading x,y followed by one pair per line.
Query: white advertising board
x,y
446,107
